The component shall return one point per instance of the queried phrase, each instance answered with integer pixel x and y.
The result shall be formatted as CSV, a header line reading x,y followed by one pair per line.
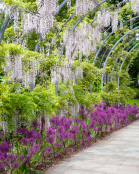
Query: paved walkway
x,y
116,154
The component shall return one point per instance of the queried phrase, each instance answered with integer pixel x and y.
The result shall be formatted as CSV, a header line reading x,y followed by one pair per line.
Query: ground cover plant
x,y
29,146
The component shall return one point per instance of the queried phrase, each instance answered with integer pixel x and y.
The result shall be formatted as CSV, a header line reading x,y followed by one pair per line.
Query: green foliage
x,y
29,5
32,38
2,56
9,33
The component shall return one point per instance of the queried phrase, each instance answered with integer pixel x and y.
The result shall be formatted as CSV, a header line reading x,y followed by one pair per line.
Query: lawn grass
x,y
131,101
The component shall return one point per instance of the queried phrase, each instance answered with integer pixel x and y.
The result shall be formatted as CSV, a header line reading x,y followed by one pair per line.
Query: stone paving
x,y
116,154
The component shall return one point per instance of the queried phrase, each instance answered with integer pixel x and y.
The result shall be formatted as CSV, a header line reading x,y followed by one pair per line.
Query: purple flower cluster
x,y
36,142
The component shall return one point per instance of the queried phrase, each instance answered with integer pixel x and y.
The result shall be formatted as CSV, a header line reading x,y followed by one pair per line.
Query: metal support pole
x,y
112,50
125,59
109,37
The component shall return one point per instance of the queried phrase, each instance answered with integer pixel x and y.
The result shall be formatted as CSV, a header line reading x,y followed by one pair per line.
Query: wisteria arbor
x,y
74,47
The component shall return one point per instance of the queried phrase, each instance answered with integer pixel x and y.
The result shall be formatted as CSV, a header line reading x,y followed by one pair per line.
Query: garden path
x,y
115,154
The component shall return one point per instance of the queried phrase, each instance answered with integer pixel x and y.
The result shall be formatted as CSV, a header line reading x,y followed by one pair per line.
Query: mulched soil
x,y
62,157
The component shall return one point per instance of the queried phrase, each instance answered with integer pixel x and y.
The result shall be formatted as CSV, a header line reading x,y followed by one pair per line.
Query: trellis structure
x,y
74,41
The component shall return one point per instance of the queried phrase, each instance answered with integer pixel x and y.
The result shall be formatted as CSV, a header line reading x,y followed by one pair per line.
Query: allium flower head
x,y
53,121
49,150
70,150
24,141
15,165
76,127
77,120
50,139
31,150
31,140
57,154
10,157
44,150
95,105
68,114
38,136
89,138
1,165
21,158
61,137
70,121
40,142
83,124
88,145
60,129
4,146
84,132
57,145
82,111
67,126
36,147
19,130
2,156
50,131
35,124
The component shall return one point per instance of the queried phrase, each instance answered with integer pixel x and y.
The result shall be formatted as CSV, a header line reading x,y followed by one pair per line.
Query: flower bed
x,y
29,147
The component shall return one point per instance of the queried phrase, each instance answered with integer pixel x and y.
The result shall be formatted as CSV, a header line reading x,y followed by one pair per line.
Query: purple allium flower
x,y
61,137
63,119
2,156
67,126
70,121
15,165
38,136
57,145
28,159
1,165
40,142
50,139
49,150
66,136
95,105
83,125
50,131
25,131
57,154
44,150
77,120
19,130
70,135
95,129
31,140
82,111
89,138
70,150
76,127
10,157
88,145
60,129
21,158
36,147
31,150
53,121
68,114
72,131
84,132
24,141
35,124
4,146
